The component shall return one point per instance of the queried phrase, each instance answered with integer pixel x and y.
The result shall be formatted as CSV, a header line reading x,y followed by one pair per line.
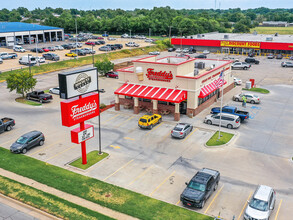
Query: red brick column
x,y
136,106
117,106
176,116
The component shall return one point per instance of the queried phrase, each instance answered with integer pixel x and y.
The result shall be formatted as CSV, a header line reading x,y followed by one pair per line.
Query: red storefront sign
x,y
78,135
74,111
159,76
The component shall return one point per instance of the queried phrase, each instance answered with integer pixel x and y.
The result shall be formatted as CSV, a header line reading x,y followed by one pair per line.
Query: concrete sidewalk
x,y
74,199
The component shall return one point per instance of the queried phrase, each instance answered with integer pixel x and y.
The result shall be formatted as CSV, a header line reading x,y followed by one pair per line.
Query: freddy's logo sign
x,y
85,110
82,82
159,76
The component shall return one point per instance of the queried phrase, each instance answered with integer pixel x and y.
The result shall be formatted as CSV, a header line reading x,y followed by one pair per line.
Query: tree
x,y
21,82
104,66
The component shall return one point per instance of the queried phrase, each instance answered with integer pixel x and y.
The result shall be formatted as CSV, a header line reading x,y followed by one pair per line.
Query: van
x,y
227,120
27,60
17,48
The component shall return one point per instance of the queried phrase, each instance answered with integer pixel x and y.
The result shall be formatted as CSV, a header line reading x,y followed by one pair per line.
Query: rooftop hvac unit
x,y
201,65
255,33
199,36
202,35
195,73
226,36
269,39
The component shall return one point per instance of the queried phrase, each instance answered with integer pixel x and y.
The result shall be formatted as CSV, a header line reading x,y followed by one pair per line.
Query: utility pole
x,y
76,36
150,33
130,33
170,33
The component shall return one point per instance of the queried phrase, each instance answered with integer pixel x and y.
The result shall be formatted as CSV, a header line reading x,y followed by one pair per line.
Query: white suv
x,y
261,204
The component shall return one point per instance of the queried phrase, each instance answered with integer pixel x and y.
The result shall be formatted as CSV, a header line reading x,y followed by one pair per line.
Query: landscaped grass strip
x,y
224,139
92,158
260,90
105,194
46,202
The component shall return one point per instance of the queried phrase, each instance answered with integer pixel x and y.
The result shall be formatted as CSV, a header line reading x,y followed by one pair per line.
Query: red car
x,y
90,43
112,74
100,38
46,49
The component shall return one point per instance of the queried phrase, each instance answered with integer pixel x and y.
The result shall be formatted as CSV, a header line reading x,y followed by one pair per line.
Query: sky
x,y
147,4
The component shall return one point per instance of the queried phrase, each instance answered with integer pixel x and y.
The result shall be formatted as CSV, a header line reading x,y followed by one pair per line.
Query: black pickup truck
x,y
200,188
6,124
39,96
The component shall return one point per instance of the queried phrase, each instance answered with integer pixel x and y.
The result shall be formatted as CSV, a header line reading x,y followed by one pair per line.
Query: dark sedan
x,y
37,49
28,141
51,56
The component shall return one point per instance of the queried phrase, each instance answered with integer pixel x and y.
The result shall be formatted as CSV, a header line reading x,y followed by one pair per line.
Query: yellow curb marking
x,y
213,199
178,202
115,147
128,138
161,184
139,176
119,169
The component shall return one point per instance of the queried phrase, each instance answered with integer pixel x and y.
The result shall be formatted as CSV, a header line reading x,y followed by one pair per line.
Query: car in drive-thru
x,y
227,120
261,204
27,142
251,98
244,115
54,90
181,130
6,124
200,188
149,121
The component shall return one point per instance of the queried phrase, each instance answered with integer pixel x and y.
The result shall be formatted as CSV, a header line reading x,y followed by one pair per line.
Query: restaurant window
x,y
146,100
172,103
202,100
162,102
128,97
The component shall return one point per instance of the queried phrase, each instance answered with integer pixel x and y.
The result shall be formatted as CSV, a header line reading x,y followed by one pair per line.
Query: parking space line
x,y
124,122
119,169
188,136
278,209
56,155
178,202
129,138
154,129
162,183
45,147
140,175
167,135
7,142
104,122
244,206
131,130
213,199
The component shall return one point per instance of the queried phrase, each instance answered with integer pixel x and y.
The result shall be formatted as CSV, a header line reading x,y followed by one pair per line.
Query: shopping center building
x,y
172,85
233,43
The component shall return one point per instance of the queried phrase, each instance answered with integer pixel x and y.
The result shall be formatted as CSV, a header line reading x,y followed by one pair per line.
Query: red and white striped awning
x,y
150,92
208,89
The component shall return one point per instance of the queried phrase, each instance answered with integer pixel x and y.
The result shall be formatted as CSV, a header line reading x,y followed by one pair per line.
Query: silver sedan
x,y
154,53
249,98
181,130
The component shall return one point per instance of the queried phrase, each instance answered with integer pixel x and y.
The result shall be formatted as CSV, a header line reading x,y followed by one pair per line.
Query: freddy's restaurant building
x,y
176,85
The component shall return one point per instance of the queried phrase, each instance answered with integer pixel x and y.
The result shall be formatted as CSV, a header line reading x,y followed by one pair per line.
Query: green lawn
x,y
28,102
260,90
105,194
46,202
92,158
224,139
273,30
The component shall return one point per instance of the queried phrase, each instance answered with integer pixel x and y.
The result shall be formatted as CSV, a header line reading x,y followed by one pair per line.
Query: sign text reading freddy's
x,y
159,76
74,111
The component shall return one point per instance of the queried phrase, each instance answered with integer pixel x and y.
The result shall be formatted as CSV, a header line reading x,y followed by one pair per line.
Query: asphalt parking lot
x,y
152,163
9,64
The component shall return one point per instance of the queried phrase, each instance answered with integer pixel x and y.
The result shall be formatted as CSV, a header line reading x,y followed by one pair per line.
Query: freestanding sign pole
x,y
83,144
222,85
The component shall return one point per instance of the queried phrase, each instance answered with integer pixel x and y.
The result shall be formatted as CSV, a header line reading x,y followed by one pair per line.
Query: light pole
x,y
76,36
170,33
130,33
180,38
150,33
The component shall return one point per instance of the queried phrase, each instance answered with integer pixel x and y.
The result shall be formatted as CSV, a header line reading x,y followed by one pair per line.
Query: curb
x,y
223,145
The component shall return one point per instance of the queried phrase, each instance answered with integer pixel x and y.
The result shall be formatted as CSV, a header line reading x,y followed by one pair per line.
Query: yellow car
x,y
71,54
149,121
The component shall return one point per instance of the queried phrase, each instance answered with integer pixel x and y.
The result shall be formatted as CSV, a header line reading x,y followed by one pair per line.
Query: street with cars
x,y
146,158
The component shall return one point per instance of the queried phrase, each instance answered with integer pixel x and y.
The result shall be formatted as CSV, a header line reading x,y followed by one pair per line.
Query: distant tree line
x,y
156,20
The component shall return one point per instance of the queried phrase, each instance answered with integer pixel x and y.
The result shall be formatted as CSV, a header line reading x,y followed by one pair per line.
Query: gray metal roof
x,y
245,37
